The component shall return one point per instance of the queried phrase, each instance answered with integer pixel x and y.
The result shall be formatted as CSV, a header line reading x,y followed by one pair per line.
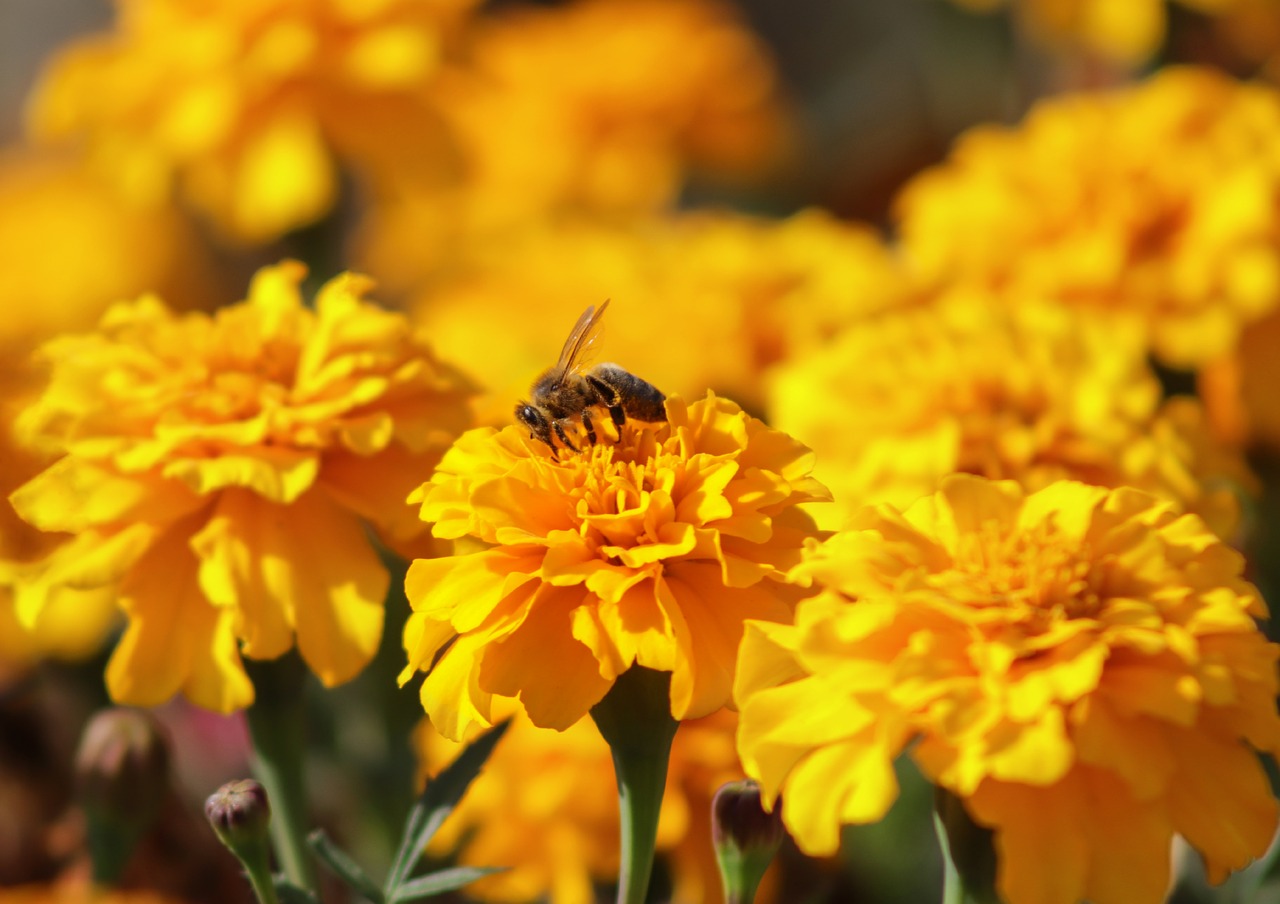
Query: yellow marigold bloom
x,y
1080,666
215,472
652,550
546,805
1130,31
242,105
623,96
1156,202
764,289
1240,390
895,403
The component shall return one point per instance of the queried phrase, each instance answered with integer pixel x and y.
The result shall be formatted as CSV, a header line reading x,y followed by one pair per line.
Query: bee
x,y
567,394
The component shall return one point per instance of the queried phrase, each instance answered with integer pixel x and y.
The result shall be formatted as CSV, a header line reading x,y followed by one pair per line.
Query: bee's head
x,y
532,418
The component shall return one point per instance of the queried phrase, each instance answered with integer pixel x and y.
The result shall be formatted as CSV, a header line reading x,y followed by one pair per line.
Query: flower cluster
x,y
214,474
650,551
1169,217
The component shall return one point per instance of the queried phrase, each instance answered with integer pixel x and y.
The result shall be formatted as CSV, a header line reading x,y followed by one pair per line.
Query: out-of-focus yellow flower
x,y
1080,666
1159,202
721,295
897,402
650,551
1130,31
77,247
598,106
242,105
215,472
1240,389
547,806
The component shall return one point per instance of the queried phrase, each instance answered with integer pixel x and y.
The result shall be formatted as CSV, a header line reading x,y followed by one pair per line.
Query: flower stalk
x,y
635,719
277,728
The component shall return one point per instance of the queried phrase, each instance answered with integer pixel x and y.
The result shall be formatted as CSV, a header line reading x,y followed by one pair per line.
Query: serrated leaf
x,y
435,804
288,893
444,881
346,869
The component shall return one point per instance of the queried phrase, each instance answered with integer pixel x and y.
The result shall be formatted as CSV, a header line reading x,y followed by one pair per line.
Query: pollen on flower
x,y
652,550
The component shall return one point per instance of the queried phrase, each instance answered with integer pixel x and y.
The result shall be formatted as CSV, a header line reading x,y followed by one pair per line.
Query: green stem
x,y
277,727
635,719
259,874
952,887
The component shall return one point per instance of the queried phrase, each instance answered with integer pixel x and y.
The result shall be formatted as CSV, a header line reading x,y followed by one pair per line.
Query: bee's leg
x,y
612,400
590,427
559,429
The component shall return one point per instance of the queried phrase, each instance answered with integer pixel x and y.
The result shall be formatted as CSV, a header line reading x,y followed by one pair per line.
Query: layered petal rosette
x,y
650,551
1080,667
216,474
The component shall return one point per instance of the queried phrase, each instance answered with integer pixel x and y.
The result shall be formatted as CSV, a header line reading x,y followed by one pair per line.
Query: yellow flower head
x,y
241,104
215,472
1156,203
895,403
1240,390
622,98
547,806
764,290
652,550
1080,666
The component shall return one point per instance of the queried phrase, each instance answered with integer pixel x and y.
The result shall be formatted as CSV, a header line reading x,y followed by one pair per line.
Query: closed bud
x,y
122,764
746,836
239,813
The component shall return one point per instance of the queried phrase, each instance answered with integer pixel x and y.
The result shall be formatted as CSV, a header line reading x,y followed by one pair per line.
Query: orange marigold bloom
x,y
765,289
1079,666
1156,203
1240,389
241,105
652,550
547,806
895,403
215,472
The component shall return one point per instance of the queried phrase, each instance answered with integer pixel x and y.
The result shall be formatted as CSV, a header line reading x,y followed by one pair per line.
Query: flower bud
x,y
746,838
122,764
239,813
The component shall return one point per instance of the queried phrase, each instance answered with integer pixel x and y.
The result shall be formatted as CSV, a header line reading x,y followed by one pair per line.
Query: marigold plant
x,y
895,403
215,473
242,106
1079,666
547,806
1169,216
650,551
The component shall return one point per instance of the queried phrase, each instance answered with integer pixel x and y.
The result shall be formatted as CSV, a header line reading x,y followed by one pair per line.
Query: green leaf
x,y
340,862
436,803
441,882
288,893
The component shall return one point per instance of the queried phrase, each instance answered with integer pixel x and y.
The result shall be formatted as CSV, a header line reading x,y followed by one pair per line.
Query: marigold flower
x,y
547,806
242,105
215,472
1156,203
1080,666
1239,390
650,551
765,289
895,403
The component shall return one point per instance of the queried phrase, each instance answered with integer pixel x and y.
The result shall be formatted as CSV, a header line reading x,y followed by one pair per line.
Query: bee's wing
x,y
582,338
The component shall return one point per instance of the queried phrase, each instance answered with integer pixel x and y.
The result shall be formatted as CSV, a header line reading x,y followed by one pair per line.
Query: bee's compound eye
x,y
528,415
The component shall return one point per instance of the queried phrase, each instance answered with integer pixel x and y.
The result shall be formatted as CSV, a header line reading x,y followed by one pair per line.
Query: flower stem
x,y
277,727
635,719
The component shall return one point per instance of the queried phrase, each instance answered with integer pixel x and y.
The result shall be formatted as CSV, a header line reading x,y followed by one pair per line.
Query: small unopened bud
x,y
241,815
122,764
746,838
122,777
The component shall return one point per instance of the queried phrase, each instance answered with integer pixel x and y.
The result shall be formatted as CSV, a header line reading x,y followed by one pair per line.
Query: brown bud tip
x,y
738,818
239,813
122,764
